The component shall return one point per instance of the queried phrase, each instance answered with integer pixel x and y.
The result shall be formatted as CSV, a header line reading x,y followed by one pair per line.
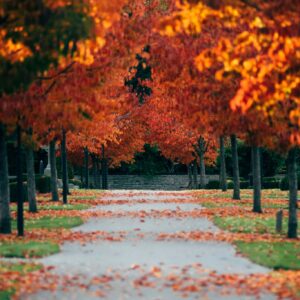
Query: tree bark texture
x,y
31,189
235,168
20,208
5,223
54,188
293,191
223,177
64,167
256,180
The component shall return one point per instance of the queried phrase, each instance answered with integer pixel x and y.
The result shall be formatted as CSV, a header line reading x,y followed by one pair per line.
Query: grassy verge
x,y
248,225
246,204
20,268
75,197
65,207
245,194
51,223
57,207
28,249
276,255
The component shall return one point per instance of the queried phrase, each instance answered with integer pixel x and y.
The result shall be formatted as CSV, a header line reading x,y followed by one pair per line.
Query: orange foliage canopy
x,y
262,51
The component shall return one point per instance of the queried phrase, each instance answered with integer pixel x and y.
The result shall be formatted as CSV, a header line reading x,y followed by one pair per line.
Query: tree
x,y
71,33
262,52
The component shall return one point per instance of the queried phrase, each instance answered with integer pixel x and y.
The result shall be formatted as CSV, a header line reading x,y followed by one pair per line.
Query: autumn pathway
x,y
137,262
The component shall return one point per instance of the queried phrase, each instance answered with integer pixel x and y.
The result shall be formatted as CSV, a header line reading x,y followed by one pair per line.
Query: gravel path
x,y
140,252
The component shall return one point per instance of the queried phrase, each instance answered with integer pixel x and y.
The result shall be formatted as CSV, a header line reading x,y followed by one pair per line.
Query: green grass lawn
x,y
238,203
21,268
28,249
65,207
246,194
51,222
57,207
6,295
276,255
83,197
248,225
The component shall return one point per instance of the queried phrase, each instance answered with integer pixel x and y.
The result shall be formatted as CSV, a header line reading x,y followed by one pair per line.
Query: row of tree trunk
x,y
5,218
99,166
5,222
256,175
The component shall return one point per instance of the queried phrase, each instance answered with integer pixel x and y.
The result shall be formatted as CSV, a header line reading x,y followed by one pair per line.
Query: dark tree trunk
x,y
195,175
64,167
81,175
98,174
31,190
104,174
256,180
235,168
20,209
104,168
201,151
95,174
223,177
190,175
293,190
86,167
67,174
54,189
5,224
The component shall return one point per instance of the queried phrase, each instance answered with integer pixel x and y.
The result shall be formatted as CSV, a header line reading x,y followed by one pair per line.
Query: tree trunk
x,y
235,168
202,172
67,174
190,185
20,195
81,175
86,167
201,151
104,168
98,174
95,174
256,180
104,174
293,190
54,189
64,167
5,224
31,190
195,175
223,177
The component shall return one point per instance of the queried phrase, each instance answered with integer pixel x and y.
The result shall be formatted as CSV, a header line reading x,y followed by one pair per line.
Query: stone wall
x,y
158,182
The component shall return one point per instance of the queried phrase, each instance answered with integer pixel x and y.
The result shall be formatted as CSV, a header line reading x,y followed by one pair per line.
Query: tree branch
x,y
65,70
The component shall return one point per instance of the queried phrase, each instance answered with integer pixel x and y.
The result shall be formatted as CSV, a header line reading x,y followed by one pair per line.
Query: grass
x,y
51,222
28,249
238,203
65,207
245,194
58,207
18,267
6,295
21,268
83,197
276,255
248,225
